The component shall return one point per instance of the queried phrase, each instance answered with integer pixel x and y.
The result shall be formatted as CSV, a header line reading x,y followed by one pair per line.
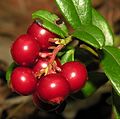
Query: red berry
x,y
53,88
75,73
41,34
23,81
43,105
43,63
25,50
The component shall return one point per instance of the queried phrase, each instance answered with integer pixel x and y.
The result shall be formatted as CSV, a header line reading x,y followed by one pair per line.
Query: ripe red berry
x,y
41,34
25,50
75,73
43,105
53,88
23,81
43,63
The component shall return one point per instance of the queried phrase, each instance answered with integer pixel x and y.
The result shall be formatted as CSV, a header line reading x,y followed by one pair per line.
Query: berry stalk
x,y
61,43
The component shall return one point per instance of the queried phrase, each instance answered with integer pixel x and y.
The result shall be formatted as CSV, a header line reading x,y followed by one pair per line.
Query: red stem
x,y
55,51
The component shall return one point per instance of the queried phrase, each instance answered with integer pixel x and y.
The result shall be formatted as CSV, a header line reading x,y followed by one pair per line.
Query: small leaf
x,y
111,66
91,35
88,89
99,21
76,12
68,56
9,70
49,21
116,113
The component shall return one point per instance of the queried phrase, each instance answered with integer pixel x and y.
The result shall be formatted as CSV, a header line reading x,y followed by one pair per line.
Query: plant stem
x,y
89,49
62,43
55,51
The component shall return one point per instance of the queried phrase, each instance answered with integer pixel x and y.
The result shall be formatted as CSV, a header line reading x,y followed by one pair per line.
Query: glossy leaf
x,y
76,12
99,21
68,56
111,66
49,21
91,35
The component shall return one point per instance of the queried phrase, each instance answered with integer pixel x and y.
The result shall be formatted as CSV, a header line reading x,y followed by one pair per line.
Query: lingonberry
x,y
25,50
41,34
75,73
43,105
53,88
43,63
23,81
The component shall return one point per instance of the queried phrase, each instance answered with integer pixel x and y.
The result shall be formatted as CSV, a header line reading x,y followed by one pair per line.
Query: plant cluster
x,y
46,64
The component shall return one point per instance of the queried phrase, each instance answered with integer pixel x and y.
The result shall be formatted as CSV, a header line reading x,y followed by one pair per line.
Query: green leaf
x,y
49,21
116,113
68,56
88,89
91,35
99,21
111,66
76,12
9,70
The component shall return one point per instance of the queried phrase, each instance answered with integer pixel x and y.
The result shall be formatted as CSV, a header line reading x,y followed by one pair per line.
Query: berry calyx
x,y
25,50
53,88
23,81
43,63
75,73
41,34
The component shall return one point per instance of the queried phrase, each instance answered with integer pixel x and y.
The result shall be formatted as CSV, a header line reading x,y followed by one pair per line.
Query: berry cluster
x,y
49,82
